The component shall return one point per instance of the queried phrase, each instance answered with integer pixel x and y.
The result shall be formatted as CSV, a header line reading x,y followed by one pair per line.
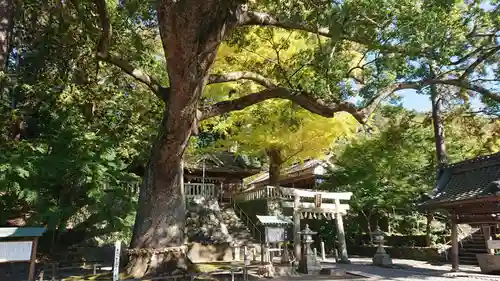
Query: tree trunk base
x,y
153,263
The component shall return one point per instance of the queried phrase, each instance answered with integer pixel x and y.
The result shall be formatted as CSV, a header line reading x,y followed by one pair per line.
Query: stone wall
x,y
414,253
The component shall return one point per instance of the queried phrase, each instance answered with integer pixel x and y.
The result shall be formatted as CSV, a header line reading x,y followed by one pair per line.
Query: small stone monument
x,y
380,258
285,257
309,263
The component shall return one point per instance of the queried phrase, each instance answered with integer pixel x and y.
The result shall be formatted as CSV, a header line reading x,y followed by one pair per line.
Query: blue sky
x,y
412,100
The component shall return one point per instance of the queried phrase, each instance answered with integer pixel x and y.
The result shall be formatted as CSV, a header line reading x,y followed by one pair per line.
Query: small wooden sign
x,y
317,200
24,249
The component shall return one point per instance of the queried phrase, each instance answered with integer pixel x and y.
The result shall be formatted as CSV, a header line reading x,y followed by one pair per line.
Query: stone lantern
x,y
308,262
381,257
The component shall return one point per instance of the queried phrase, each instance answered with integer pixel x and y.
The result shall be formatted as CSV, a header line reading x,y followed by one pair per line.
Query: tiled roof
x,y
469,179
21,231
274,220
222,162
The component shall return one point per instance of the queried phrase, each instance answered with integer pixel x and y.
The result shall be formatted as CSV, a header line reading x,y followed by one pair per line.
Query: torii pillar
x,y
296,227
341,234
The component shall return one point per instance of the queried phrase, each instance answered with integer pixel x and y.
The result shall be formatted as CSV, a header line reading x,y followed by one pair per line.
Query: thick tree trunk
x,y
159,226
428,229
274,207
439,134
275,165
191,32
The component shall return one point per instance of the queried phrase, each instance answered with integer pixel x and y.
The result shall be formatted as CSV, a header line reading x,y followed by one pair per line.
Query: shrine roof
x,y
274,220
470,179
223,162
308,166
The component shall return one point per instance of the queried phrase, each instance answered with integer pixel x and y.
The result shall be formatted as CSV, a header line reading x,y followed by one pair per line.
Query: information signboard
x,y
15,251
275,234
116,263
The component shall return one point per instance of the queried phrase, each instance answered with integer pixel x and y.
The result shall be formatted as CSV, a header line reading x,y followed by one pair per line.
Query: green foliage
x,y
390,169
82,124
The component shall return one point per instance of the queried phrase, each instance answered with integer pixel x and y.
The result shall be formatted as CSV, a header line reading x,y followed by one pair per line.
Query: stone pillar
x,y
296,228
454,244
486,229
341,234
323,254
236,252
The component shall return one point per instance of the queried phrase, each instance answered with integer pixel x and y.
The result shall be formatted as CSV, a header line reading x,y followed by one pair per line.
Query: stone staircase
x,y
470,246
211,222
235,226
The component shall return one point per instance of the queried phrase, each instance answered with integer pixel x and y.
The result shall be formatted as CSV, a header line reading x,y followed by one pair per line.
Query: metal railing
x,y
247,221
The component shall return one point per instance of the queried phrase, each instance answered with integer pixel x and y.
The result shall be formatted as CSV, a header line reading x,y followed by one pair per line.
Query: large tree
x,y
391,34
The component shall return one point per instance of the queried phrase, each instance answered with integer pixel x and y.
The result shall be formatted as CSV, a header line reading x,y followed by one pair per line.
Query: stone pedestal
x,y
382,259
285,257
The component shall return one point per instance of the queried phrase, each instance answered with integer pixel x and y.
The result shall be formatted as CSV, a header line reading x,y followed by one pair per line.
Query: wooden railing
x,y
206,190
266,192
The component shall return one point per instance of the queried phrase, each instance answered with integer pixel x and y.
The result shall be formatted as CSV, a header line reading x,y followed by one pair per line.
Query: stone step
x,y
468,260
473,250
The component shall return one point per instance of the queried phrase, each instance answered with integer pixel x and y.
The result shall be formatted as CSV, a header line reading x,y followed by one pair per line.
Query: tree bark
x,y
428,229
191,32
439,134
275,165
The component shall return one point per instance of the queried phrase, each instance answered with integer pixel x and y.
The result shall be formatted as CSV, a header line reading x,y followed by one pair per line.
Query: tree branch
x,y
479,60
465,85
264,19
300,98
241,75
306,101
103,54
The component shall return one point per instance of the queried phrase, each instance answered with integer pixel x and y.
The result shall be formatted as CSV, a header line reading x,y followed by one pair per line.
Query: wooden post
x,y
54,272
296,227
341,233
454,244
31,274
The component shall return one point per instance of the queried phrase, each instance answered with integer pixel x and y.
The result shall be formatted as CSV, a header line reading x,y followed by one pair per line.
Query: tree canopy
x,y
391,169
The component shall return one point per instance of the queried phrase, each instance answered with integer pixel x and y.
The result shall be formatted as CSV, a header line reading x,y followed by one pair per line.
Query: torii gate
x,y
318,208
